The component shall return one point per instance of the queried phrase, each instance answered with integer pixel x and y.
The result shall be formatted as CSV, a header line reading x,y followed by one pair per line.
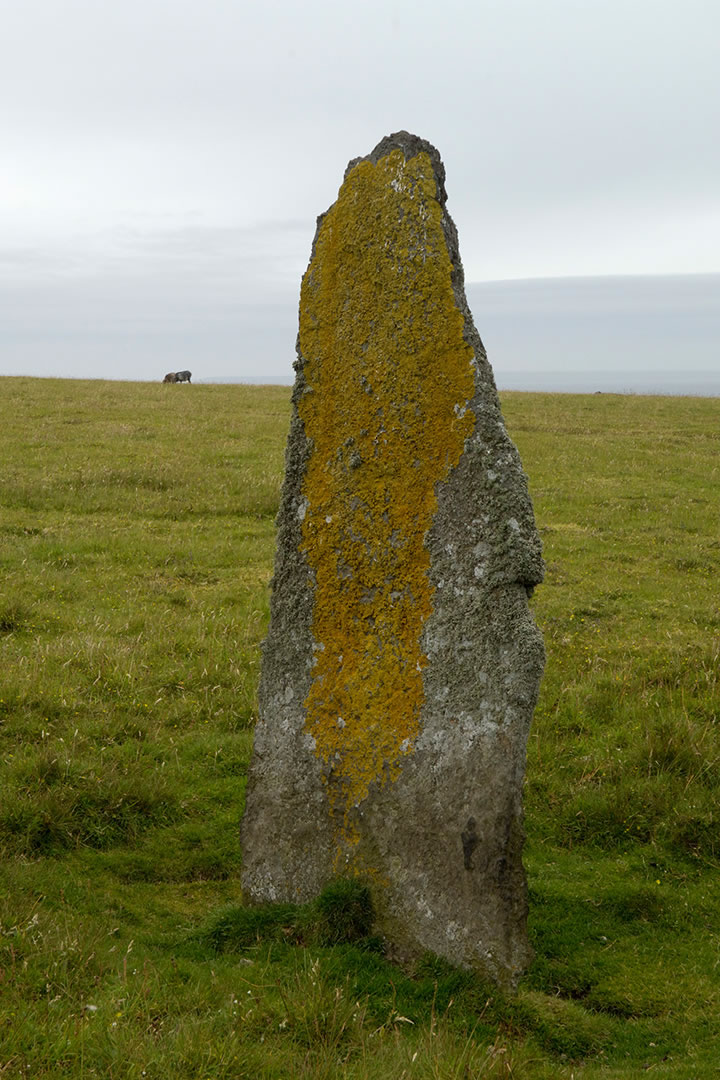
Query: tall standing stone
x,y
402,664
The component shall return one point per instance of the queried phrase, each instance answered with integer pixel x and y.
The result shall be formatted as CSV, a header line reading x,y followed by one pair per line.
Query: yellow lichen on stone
x,y
389,379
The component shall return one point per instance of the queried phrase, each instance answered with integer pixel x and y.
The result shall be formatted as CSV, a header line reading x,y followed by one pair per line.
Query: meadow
x,y
136,550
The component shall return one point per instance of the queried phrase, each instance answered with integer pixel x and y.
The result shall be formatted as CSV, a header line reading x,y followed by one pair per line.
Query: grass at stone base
x,y
136,541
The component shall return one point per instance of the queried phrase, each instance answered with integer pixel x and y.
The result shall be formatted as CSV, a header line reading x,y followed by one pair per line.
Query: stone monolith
x,y
402,663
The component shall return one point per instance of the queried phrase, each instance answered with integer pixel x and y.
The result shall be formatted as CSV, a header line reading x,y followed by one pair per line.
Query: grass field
x,y
136,547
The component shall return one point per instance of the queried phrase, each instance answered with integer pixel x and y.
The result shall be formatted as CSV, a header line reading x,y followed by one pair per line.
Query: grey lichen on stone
x,y
402,664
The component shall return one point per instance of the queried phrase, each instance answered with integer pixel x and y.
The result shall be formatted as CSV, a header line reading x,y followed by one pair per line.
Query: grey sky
x,y
163,161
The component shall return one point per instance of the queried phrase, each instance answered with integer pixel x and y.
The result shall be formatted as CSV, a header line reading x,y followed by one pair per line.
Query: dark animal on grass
x,y
182,376
170,377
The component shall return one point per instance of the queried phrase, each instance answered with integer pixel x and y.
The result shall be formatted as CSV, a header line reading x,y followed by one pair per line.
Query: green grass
x,y
136,547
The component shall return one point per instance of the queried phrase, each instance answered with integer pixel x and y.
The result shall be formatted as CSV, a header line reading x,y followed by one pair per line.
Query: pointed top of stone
x,y
411,145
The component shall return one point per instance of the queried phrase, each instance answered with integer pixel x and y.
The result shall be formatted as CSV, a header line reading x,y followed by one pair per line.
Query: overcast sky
x,y
162,163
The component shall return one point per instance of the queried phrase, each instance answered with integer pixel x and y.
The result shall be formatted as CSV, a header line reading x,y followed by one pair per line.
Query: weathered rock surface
x,y
402,664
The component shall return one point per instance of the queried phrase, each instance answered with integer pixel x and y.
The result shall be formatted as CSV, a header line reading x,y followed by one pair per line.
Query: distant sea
x,y
250,380
643,335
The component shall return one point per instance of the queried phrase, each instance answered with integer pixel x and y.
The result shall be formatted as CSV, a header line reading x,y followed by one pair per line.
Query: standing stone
x,y
402,664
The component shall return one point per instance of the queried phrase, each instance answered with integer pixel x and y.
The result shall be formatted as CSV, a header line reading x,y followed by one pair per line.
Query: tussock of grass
x,y
51,811
341,915
136,547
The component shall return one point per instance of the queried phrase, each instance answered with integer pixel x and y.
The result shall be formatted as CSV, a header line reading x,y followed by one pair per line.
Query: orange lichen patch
x,y
389,378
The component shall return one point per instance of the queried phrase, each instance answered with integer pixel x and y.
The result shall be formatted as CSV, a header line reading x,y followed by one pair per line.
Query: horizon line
x,y
592,277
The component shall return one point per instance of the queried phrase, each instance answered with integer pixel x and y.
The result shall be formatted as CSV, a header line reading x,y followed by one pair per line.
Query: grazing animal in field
x,y
170,377
182,376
